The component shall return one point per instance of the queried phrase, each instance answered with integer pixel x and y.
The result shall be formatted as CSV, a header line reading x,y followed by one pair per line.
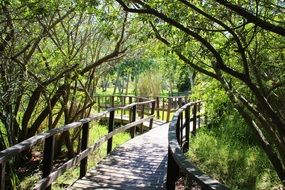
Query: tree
x,y
241,45
49,52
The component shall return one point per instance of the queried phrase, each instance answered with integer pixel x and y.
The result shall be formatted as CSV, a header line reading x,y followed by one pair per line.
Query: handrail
x,y
49,141
45,182
30,142
164,105
177,161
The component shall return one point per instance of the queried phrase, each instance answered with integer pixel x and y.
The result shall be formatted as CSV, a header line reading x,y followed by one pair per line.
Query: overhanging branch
x,y
252,18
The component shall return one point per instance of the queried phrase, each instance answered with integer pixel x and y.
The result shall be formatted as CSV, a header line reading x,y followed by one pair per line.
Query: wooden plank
x,y
139,163
45,182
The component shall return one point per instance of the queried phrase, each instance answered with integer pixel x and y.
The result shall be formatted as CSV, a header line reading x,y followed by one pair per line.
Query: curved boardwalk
x,y
140,163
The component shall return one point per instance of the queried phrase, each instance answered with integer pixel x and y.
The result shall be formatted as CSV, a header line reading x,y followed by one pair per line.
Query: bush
x,y
214,97
149,84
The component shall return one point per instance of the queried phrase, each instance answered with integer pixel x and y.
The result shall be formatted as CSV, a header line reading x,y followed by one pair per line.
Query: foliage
x,y
175,75
229,152
239,44
129,70
184,81
149,84
52,55
216,102
49,52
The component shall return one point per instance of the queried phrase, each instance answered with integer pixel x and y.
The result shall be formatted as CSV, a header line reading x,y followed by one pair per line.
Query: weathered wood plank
x,y
138,164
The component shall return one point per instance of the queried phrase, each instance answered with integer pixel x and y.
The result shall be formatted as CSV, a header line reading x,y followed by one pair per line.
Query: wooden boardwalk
x,y
140,163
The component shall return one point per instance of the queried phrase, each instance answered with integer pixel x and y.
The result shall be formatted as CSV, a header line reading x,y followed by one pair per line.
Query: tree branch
x,y
219,64
252,18
181,56
227,28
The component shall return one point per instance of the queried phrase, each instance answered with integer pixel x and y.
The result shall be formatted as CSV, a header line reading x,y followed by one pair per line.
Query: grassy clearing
x,y
230,154
96,132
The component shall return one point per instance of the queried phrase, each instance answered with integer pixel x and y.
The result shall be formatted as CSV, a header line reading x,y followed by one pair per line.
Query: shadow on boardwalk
x,y
140,163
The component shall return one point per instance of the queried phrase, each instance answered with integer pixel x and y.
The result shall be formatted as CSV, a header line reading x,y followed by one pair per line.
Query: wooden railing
x,y
49,174
163,109
185,120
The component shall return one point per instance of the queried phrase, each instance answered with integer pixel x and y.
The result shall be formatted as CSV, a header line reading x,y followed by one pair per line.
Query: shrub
x,y
149,84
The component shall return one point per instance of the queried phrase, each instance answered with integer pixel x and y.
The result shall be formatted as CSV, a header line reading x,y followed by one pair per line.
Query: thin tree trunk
x,y
116,83
127,85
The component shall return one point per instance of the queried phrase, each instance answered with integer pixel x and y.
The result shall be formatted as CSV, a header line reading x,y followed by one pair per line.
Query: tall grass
x,y
230,153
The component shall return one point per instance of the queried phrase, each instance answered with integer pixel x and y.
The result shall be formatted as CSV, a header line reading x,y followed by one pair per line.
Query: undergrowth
x,y
230,153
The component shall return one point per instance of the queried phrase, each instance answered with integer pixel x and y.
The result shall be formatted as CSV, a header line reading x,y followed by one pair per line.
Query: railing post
x,y
194,119
133,129
84,143
3,171
110,129
168,109
163,108
180,101
99,104
105,102
178,129
174,103
152,112
142,116
157,108
130,112
112,101
199,112
48,157
172,171
124,103
181,129
187,126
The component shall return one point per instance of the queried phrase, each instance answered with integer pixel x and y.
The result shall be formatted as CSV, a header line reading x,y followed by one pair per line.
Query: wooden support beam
x,y
84,144
152,113
3,172
133,129
48,157
110,129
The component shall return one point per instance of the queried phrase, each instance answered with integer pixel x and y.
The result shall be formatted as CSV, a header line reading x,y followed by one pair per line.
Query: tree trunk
x,y
116,83
127,85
